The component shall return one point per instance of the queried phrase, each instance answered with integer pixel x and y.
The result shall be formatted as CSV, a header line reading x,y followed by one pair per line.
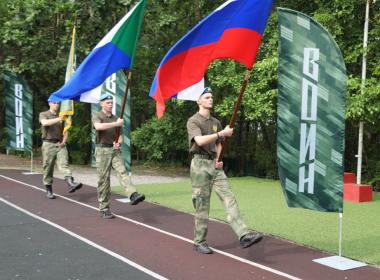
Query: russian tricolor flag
x,y
234,30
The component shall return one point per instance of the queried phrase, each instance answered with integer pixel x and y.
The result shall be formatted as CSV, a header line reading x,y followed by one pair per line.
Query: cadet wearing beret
x,y
205,135
108,155
54,149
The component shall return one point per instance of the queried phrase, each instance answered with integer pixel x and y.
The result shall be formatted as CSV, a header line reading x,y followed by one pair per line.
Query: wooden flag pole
x,y
118,129
237,106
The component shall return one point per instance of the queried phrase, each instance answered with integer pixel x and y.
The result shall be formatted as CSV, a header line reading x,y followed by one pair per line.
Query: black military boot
x,y
49,192
203,248
106,214
73,186
136,198
250,239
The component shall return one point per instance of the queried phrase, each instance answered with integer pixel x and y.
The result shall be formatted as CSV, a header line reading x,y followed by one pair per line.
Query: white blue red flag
x,y
234,30
115,51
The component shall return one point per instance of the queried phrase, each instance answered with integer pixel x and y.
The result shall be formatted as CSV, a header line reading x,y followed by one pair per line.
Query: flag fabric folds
x,y
67,106
115,51
234,30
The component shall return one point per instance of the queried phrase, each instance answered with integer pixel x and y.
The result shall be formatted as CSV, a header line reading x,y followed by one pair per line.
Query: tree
x,y
35,38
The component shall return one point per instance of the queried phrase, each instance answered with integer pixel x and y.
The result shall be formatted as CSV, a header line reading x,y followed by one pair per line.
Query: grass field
x,y
264,209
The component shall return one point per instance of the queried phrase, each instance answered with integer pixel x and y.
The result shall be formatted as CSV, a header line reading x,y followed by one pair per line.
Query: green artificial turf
x,y
264,209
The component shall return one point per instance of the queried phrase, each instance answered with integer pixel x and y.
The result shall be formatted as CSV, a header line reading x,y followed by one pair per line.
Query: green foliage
x,y
365,105
372,173
35,40
79,141
159,138
3,139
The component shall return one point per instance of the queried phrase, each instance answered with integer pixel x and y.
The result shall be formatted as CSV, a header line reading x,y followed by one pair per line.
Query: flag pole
x,y
364,70
340,232
117,134
31,161
118,129
237,106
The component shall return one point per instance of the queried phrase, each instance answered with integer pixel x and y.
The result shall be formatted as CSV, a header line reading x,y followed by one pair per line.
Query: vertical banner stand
x,y
31,166
339,262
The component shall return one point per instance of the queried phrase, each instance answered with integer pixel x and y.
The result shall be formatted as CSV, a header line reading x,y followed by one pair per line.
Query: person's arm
x,y
218,164
49,122
202,140
117,145
64,139
105,126
207,139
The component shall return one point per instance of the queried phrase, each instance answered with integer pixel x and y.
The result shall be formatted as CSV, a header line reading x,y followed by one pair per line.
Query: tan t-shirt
x,y
51,132
198,125
104,136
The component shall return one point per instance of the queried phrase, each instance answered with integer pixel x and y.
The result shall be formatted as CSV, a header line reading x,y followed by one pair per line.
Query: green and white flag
x,y
115,85
18,112
311,114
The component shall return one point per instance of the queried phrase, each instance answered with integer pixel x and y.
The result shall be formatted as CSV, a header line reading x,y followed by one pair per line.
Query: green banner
x,y
115,85
310,114
18,112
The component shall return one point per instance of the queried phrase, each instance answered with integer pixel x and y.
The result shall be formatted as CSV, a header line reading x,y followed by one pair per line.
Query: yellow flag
x,y
67,106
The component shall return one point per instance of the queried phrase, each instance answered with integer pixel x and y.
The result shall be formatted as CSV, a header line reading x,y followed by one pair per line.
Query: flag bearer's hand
x,y
119,122
219,164
226,132
116,145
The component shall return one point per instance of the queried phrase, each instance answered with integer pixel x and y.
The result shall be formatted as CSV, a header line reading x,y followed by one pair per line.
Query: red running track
x,y
159,238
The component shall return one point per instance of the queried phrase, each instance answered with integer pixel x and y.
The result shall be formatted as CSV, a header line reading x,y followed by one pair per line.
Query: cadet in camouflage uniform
x,y
205,136
54,150
108,155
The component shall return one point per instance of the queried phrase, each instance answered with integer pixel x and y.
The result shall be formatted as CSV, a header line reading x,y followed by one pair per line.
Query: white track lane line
x,y
266,268
89,242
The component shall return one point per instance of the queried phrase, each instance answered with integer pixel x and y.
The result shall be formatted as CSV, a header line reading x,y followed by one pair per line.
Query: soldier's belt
x,y
103,145
204,156
51,140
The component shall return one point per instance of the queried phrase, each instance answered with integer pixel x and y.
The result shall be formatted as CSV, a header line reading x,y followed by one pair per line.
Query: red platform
x,y
354,192
349,177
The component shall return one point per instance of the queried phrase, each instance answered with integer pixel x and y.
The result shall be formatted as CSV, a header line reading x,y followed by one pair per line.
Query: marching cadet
x,y
205,136
108,155
54,149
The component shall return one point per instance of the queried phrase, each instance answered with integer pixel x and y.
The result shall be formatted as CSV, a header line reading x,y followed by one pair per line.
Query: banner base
x,y
339,263
30,173
123,200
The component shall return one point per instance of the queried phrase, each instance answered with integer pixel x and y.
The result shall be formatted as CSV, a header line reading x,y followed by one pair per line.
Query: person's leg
x,y
223,189
125,180
63,161
49,155
122,173
201,178
63,166
103,167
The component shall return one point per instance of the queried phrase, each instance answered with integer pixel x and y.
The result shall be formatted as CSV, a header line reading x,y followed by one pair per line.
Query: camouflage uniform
x,y
205,178
106,158
51,152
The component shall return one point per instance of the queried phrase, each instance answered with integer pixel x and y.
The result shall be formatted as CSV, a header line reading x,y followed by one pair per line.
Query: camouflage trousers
x,y
107,158
205,178
52,153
